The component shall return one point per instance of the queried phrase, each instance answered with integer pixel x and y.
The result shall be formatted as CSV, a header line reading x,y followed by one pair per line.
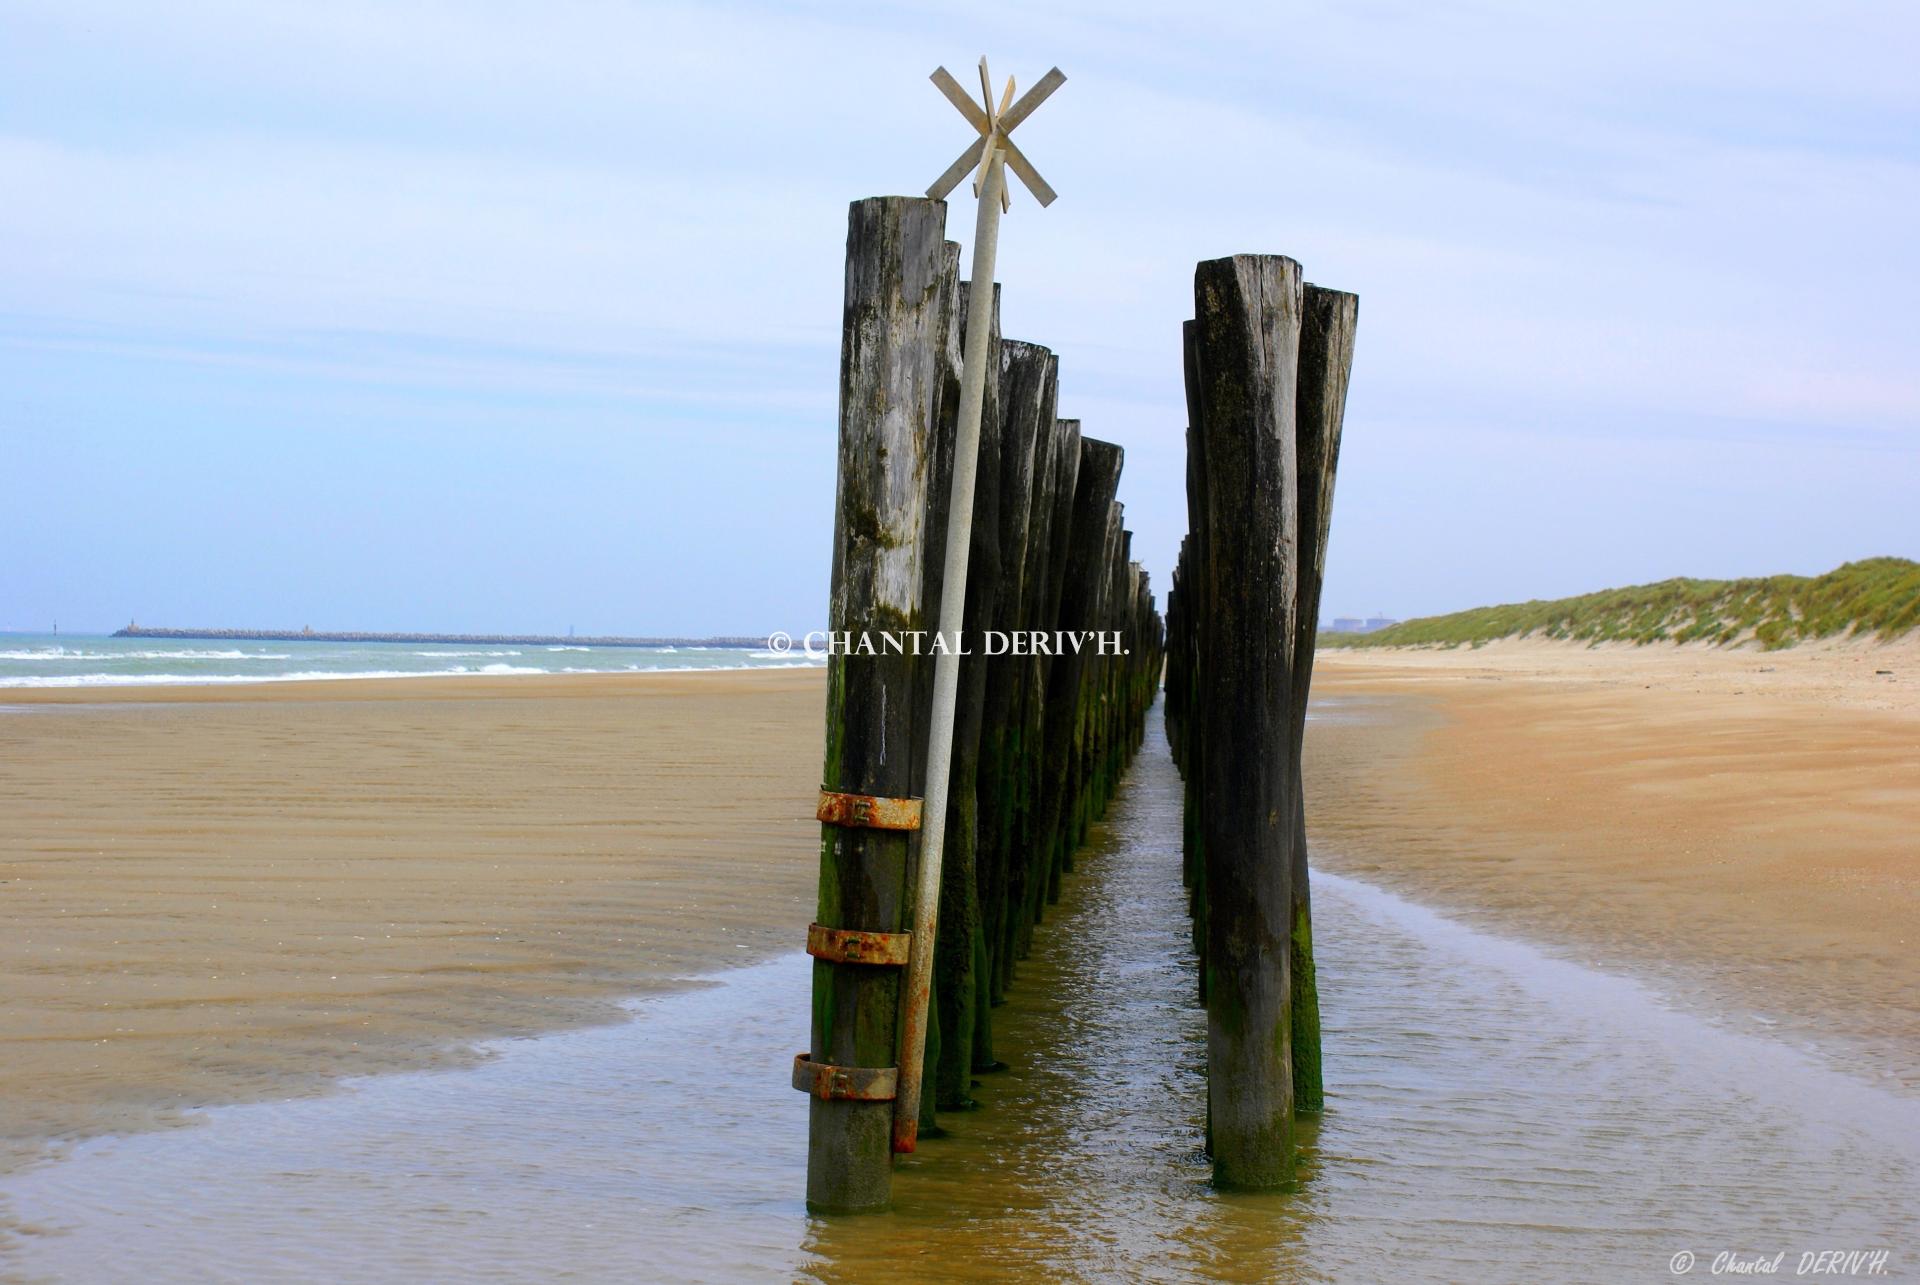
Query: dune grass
x,y
1879,597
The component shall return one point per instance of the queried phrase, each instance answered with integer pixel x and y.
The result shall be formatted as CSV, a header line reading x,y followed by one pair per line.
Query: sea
x,y
78,660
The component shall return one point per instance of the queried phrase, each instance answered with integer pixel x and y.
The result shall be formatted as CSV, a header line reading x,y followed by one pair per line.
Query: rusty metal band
x,y
857,946
844,1083
870,811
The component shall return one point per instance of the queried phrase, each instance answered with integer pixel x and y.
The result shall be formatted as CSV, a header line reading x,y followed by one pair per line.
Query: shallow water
x,y
1495,1114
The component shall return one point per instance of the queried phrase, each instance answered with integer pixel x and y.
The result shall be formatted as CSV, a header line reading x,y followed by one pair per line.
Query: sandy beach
x,y
1742,824
222,894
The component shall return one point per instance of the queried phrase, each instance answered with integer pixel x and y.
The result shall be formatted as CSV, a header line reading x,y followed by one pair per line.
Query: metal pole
x,y
946,663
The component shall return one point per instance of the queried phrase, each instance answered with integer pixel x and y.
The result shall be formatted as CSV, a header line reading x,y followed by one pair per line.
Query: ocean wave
x,y
174,680
569,648
495,670
436,655
297,676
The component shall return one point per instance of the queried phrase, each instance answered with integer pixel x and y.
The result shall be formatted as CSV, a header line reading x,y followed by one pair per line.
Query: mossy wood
x,y
1326,362
1247,322
955,986
894,327
1268,360
1029,373
1096,479
1040,740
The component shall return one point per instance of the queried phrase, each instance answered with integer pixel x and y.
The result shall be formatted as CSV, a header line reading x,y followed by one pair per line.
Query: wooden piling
x,y
1096,479
1049,606
955,984
1193,569
1051,509
1040,740
1267,362
1029,382
1246,342
1329,318
894,323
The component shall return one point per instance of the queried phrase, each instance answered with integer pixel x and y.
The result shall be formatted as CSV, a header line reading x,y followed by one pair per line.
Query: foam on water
x,y
435,655
52,661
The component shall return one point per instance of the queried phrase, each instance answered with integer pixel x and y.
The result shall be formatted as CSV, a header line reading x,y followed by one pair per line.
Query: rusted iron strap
x,y
844,1083
857,946
869,811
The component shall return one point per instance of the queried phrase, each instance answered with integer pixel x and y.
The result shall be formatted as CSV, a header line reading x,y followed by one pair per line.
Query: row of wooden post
x,y
1267,363
1040,739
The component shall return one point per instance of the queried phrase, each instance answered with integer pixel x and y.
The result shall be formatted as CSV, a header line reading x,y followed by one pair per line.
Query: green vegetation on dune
x,y
1879,597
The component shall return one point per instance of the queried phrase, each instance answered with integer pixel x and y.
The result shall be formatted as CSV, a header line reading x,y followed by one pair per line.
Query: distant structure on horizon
x,y
308,634
1355,625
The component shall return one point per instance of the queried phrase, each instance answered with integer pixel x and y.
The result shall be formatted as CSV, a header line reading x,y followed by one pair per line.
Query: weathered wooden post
x,y
1089,754
922,415
1326,361
894,323
1021,697
1029,373
955,989
989,156
1046,568
1246,352
1096,479
1193,556
1058,527
939,488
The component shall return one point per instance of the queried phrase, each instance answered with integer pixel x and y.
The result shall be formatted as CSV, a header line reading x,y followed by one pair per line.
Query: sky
x,y
496,316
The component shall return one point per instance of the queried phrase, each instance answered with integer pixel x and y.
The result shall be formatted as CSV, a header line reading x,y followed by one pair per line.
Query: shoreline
x,y
358,686
221,894
164,634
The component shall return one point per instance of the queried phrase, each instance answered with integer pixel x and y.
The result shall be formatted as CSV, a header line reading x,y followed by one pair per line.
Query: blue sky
x,y
504,316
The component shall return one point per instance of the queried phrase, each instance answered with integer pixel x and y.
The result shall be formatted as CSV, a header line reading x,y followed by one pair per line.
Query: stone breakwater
x,y
526,640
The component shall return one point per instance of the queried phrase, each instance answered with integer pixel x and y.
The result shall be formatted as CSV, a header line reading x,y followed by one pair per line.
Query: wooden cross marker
x,y
986,159
995,124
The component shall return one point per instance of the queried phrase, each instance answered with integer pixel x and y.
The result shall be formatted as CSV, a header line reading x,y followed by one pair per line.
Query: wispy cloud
x,y
1675,235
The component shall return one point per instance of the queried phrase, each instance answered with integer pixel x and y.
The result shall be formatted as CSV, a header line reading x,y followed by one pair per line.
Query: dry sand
x,y
214,894
1742,825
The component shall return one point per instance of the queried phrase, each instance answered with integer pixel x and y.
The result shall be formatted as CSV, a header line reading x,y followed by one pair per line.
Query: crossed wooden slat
x,y
995,123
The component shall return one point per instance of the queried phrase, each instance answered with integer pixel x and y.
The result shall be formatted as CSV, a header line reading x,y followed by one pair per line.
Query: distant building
x,y
1356,625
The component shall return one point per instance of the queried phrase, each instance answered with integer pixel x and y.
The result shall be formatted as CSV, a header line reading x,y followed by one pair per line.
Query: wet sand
x,y
1742,825
1494,1115
217,895
223,894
